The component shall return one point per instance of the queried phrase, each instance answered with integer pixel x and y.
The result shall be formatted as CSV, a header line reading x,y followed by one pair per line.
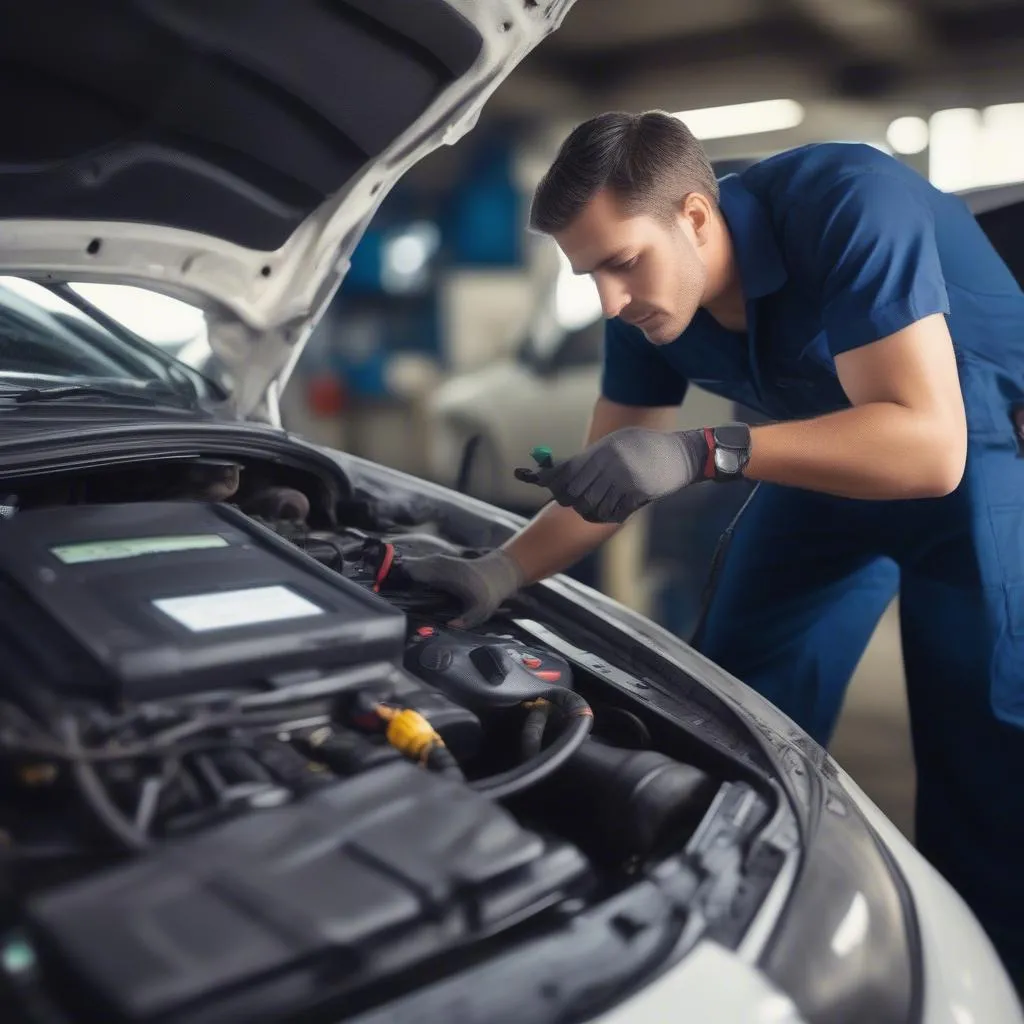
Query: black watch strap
x,y
728,451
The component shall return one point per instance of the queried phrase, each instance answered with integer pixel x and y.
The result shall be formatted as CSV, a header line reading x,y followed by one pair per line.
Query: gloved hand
x,y
623,471
481,584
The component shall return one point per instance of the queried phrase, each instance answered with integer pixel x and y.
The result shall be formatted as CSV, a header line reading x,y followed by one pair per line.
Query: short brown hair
x,y
649,161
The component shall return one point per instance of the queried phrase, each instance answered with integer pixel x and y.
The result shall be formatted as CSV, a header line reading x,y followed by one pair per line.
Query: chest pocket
x,y
816,353
799,375
787,367
717,361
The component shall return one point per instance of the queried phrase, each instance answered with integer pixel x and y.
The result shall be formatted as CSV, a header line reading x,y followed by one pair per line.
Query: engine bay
x,y
252,772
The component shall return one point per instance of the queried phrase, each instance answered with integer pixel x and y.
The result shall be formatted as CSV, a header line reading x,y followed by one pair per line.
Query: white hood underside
x,y
261,306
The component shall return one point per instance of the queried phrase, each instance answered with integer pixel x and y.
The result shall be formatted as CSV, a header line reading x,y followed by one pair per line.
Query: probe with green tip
x,y
542,456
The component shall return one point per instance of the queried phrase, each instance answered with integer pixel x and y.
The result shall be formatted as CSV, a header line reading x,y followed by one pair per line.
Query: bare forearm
x,y
556,539
876,451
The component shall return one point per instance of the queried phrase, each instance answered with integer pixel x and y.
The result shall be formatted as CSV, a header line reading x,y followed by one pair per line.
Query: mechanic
x,y
833,289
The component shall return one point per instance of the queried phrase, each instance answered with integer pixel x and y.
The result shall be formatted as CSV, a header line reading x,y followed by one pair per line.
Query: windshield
x,y
50,333
170,323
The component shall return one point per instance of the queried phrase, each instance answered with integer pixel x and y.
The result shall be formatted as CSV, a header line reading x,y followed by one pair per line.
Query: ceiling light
x,y
908,135
972,148
406,258
742,118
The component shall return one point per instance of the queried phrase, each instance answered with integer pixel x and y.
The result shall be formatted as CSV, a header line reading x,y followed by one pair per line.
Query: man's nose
x,y
614,297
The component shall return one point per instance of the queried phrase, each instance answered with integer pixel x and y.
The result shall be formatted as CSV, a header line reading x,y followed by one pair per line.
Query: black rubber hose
x,y
95,795
579,720
533,729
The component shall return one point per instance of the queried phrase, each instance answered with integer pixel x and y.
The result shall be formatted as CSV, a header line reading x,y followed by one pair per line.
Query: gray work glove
x,y
623,471
481,584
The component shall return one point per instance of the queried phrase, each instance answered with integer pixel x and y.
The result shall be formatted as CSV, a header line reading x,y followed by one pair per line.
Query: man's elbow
x,y
947,459
947,478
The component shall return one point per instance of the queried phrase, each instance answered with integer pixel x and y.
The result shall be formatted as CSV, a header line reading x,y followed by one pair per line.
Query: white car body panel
x,y
711,985
964,983
515,410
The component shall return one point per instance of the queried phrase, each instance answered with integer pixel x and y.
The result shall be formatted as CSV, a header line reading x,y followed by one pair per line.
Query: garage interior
x,y
226,166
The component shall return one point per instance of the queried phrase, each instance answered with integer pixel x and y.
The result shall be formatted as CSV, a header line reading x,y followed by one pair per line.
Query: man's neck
x,y
725,301
728,307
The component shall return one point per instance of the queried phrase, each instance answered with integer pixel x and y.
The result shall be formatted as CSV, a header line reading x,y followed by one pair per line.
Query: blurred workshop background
x,y
458,341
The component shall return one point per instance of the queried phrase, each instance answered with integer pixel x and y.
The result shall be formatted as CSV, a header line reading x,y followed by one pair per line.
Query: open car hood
x,y
232,154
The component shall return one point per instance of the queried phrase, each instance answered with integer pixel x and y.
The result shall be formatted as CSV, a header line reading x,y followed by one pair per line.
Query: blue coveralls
x,y
839,245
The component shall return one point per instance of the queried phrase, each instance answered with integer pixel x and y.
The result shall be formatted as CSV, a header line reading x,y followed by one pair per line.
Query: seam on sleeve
x,y
885,320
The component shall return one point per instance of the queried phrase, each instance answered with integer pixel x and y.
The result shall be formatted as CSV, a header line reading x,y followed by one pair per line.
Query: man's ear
x,y
695,212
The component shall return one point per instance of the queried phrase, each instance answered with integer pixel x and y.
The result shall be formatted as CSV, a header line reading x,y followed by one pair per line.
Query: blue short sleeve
x,y
869,251
634,372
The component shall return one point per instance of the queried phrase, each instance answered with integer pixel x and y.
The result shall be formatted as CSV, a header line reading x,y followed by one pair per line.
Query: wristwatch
x,y
728,451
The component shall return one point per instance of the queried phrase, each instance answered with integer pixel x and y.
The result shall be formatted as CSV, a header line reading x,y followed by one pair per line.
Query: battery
x,y
142,601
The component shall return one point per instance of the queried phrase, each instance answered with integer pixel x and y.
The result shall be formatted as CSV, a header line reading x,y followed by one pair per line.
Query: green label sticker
x,y
133,547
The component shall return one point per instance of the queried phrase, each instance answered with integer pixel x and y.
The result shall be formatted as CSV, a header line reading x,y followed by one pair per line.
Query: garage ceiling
x,y
676,52
854,65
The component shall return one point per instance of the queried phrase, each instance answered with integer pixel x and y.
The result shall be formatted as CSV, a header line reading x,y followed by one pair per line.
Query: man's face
x,y
647,271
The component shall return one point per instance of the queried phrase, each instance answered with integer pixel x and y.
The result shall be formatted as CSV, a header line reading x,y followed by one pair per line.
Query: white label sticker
x,y
204,612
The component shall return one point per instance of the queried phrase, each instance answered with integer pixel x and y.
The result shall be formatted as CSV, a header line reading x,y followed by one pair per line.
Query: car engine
x,y
250,772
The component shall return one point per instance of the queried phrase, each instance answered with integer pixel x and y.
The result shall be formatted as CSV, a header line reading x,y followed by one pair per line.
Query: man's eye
x,y
627,264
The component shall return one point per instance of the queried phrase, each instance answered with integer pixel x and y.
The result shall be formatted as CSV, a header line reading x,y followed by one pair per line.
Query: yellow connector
x,y
409,732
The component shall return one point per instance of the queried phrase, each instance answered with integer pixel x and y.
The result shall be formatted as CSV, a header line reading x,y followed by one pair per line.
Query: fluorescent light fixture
x,y
908,135
742,118
955,138
974,148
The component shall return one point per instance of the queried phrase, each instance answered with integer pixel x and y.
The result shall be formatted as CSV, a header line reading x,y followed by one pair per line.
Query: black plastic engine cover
x,y
143,600
279,912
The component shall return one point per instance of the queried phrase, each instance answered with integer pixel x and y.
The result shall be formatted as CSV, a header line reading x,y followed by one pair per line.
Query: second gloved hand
x,y
481,584
623,471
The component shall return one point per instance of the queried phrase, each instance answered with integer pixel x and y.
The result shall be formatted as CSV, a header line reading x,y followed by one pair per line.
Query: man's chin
x,y
660,331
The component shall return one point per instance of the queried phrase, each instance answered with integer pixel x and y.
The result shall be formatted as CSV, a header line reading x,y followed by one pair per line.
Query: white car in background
x,y
482,424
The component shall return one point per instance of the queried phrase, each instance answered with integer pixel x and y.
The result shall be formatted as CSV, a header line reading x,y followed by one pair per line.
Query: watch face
x,y
732,435
726,461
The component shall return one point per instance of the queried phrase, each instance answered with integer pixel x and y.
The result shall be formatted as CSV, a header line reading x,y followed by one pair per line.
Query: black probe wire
x,y
715,570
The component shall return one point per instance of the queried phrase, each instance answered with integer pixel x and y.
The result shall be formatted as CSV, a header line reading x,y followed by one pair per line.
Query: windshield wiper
x,y
152,393
183,374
